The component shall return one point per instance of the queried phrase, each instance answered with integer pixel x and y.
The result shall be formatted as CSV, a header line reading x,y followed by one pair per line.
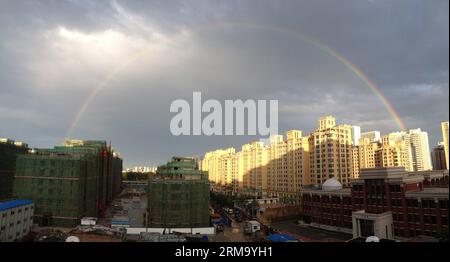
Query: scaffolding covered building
x,y
178,195
69,182
9,149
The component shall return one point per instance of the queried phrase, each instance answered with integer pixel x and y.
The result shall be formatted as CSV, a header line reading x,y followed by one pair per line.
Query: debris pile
x,y
156,237
51,235
99,230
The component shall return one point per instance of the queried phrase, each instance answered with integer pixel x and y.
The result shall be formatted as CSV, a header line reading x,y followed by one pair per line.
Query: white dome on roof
x,y
331,184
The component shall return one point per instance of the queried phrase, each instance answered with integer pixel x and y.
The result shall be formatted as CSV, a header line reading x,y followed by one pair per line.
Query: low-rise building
x,y
384,202
16,219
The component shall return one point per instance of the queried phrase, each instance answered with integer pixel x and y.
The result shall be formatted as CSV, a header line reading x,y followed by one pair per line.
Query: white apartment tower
x,y
416,141
444,127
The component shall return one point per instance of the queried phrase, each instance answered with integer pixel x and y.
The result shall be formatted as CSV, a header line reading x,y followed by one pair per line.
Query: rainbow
x,y
295,34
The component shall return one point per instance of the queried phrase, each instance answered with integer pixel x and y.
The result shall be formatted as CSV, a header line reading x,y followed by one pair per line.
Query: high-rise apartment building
x,y
372,154
373,136
288,166
226,164
224,168
438,157
367,157
254,168
420,149
331,151
355,162
444,127
219,165
356,134
281,168
415,141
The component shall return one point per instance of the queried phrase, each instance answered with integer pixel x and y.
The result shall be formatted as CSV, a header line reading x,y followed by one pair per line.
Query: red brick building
x,y
387,202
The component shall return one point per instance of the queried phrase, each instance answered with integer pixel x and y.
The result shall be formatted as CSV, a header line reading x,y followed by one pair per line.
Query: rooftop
x,y
431,192
332,184
12,142
14,203
318,190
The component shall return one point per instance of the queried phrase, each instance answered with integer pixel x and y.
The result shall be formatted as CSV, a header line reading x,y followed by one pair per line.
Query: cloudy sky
x,y
130,59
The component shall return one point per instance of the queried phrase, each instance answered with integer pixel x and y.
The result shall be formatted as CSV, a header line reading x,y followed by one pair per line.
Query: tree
x,y
134,176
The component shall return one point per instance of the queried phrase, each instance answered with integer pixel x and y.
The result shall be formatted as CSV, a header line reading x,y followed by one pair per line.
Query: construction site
x,y
9,149
68,182
178,195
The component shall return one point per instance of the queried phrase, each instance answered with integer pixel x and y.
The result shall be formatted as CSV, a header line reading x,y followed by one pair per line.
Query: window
x,y
433,220
432,204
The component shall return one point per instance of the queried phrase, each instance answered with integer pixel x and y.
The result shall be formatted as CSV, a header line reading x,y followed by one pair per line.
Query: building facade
x,y
69,182
16,219
438,157
415,141
444,128
331,151
420,149
9,150
372,153
178,195
374,136
288,166
221,165
385,202
281,167
254,168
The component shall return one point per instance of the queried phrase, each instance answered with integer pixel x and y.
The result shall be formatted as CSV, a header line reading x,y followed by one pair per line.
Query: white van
x,y
252,226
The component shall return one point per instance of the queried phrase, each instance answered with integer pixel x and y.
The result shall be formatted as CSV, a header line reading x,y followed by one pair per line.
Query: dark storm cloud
x,y
53,53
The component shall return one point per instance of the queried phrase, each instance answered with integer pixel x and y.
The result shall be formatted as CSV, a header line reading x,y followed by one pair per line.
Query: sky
x,y
109,70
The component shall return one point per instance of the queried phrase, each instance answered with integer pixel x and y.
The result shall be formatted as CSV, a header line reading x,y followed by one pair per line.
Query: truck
x,y
251,227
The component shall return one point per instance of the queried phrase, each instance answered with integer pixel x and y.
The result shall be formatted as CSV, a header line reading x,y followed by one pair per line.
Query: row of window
x,y
12,212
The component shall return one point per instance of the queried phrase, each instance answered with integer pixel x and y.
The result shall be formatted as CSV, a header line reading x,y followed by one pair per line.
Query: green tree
x,y
134,176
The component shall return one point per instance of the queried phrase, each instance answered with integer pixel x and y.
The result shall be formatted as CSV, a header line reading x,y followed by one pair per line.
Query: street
x,y
235,233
